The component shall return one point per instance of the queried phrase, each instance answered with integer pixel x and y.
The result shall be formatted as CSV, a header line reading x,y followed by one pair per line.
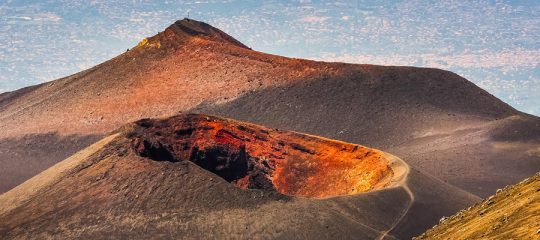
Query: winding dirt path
x,y
401,169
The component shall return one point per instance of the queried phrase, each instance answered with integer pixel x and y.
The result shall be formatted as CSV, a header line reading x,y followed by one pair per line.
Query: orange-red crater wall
x,y
252,156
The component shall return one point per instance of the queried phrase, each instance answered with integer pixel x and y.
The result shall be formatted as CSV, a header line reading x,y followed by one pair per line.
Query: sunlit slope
x,y
187,64
512,213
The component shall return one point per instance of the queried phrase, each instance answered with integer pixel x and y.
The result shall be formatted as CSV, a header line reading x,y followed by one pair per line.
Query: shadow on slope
x,y
18,155
428,117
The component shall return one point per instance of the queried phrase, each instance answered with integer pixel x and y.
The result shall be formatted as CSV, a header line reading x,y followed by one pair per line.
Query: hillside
x,y
435,120
199,176
512,213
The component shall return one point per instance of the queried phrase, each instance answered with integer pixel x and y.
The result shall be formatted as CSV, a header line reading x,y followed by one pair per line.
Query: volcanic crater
x,y
254,157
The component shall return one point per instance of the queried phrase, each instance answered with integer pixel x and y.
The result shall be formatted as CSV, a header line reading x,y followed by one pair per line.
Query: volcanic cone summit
x,y
196,28
188,30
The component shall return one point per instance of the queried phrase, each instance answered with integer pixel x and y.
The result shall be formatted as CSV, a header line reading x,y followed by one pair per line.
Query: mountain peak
x,y
192,27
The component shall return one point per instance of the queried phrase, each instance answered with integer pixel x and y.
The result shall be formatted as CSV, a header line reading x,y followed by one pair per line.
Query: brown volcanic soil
x,y
433,119
512,213
148,180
